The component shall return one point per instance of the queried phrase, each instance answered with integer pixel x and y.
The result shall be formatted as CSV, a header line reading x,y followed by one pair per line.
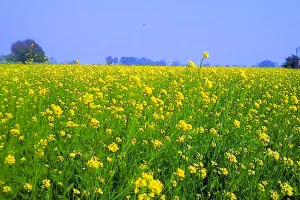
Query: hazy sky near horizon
x,y
242,32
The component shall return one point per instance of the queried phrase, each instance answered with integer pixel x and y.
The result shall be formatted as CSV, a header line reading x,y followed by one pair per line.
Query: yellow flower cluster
x,y
223,171
108,124
113,147
149,185
156,143
237,123
94,163
286,189
191,64
57,110
10,160
231,157
180,174
231,195
205,55
265,138
27,187
6,189
273,154
95,123
182,125
179,96
46,183
148,90
198,169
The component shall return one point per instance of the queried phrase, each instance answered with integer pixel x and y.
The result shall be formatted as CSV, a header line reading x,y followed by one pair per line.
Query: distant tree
x,y
126,60
143,61
290,61
162,63
27,50
10,58
139,61
267,63
146,61
206,65
2,58
175,63
115,60
72,62
52,60
109,60
123,60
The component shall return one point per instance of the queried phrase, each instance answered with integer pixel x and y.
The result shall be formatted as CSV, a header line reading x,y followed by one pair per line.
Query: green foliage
x,y
2,58
91,132
10,58
27,51
290,61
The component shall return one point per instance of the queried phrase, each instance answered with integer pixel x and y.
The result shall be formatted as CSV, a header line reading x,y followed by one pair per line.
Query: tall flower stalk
x,y
205,55
30,54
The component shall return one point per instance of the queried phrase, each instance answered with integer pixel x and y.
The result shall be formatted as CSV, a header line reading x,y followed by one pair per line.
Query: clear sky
x,y
242,32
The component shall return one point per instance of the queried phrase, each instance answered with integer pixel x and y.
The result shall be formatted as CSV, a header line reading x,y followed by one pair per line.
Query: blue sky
x,y
242,32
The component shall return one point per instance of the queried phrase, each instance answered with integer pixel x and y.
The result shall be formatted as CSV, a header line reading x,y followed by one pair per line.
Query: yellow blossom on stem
x,y
113,147
180,173
27,187
231,157
94,163
72,155
46,183
192,169
10,160
237,123
76,191
95,123
192,64
6,189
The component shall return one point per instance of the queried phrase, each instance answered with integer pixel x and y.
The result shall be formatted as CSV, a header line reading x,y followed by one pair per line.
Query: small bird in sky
x,y
144,24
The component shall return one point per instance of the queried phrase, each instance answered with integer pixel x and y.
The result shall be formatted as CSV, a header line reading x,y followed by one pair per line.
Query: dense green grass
x,y
93,131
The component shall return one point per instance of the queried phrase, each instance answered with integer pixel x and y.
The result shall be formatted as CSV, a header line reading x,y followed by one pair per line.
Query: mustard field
x,y
115,132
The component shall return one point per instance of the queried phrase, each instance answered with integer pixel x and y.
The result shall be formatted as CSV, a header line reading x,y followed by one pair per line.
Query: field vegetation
x,y
116,132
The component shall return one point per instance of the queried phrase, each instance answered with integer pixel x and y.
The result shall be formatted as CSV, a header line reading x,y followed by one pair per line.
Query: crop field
x,y
115,132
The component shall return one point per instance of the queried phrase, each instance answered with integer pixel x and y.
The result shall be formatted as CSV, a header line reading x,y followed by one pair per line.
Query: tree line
x,y
139,61
28,51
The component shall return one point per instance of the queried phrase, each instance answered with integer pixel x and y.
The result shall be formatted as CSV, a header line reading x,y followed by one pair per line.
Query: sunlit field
x,y
111,132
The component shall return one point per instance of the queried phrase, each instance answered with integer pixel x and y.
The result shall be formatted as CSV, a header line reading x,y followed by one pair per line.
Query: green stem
x,y
201,61
30,54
